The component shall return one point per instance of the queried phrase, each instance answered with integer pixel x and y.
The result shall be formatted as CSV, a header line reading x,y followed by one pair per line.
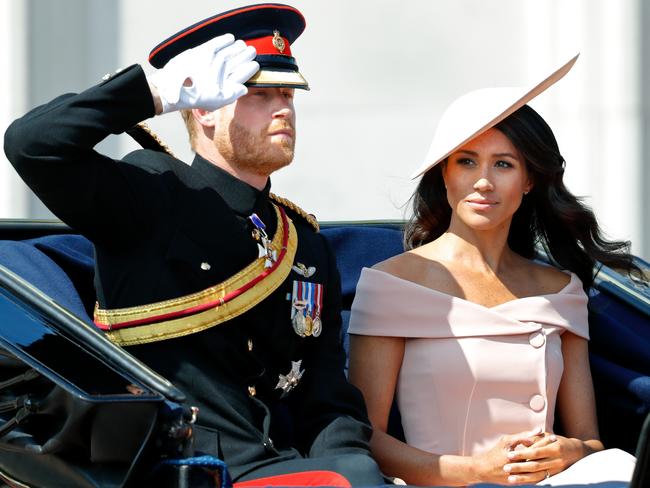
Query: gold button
x,y
252,391
250,345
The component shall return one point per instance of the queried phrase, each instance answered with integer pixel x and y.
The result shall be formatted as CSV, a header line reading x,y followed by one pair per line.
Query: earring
x,y
526,192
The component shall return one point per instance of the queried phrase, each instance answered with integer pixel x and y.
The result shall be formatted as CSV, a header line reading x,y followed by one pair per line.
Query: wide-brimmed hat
x,y
270,27
477,111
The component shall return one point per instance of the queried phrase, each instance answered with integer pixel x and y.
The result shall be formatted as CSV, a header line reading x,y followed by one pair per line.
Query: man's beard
x,y
255,152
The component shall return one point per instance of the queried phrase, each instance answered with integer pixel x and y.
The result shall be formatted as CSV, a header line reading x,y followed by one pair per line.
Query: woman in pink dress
x,y
480,344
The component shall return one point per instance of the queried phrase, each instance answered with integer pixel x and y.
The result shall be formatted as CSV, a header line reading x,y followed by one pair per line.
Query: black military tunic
x,y
162,230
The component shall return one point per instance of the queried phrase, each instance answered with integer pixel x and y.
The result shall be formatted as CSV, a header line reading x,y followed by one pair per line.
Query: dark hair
x,y
549,215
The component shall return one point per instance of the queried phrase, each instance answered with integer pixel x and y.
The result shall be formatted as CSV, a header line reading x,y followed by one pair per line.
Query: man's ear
x,y
205,118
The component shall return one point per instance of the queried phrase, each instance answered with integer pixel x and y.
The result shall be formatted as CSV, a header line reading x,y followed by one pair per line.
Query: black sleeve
x,y
51,147
333,419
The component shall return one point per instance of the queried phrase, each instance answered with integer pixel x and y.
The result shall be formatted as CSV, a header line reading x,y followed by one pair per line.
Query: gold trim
x,y
156,138
267,76
286,203
200,321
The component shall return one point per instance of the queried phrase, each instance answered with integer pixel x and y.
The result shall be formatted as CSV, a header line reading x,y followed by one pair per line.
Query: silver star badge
x,y
265,250
288,382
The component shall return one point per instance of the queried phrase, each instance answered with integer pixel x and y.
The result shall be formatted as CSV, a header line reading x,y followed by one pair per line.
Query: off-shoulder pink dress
x,y
471,373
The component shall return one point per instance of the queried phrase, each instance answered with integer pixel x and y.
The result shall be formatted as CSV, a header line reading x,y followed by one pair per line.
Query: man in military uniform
x,y
225,289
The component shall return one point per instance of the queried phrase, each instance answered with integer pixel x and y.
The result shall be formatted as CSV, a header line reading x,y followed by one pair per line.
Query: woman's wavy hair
x,y
549,215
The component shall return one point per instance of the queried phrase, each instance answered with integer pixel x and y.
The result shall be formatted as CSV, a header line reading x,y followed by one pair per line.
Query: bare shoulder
x,y
404,265
419,268
548,278
394,264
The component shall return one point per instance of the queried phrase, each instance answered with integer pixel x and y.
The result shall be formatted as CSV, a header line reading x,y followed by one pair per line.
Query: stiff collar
x,y
240,196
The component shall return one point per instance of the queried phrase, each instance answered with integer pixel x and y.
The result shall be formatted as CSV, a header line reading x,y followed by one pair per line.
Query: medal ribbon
x,y
318,299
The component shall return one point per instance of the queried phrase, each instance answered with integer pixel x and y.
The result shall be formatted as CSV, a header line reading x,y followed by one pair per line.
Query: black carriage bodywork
x,y
76,410
75,407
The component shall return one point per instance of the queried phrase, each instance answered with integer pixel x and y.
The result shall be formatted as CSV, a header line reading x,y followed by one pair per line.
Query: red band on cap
x,y
265,45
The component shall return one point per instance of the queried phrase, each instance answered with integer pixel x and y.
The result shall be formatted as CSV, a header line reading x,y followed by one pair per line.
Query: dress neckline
x,y
562,291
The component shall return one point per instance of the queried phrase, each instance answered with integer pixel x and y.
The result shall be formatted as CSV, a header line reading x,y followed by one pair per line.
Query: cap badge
x,y
278,42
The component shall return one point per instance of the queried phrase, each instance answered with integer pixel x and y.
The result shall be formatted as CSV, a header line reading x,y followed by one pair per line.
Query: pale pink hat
x,y
477,111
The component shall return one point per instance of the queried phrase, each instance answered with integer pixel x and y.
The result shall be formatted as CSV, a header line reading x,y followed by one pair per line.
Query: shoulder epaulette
x,y
288,204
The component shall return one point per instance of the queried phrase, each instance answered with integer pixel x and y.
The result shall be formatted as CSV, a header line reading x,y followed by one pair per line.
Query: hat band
x,y
274,61
269,45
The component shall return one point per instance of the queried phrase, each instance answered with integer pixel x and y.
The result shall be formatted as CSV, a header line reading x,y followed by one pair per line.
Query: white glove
x,y
208,76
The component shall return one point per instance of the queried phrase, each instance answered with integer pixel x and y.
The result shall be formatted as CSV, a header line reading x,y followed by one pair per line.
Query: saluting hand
x,y
208,76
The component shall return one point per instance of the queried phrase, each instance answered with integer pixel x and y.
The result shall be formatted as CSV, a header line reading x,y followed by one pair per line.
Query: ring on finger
x,y
548,474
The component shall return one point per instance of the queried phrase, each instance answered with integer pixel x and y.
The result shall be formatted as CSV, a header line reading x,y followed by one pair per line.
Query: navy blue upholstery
x,y
356,248
62,267
620,365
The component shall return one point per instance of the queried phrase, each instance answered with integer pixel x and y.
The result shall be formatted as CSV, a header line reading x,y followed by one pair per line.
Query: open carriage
x,y
76,410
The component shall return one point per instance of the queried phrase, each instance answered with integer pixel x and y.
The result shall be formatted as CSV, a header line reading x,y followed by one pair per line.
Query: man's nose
x,y
283,110
283,107
282,113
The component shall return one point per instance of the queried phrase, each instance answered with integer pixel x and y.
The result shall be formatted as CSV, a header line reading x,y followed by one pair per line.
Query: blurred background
x,y
381,73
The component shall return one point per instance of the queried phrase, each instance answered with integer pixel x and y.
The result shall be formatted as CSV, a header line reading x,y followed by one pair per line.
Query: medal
x,y
257,222
317,327
264,247
298,322
306,305
309,325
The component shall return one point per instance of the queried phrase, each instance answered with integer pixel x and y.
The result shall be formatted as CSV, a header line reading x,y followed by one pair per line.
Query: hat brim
x,y
479,110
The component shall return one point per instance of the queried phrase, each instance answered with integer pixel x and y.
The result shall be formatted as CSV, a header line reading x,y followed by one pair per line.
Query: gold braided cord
x,y
311,220
163,325
156,138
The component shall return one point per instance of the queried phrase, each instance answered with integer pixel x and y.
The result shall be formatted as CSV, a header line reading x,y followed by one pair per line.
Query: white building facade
x,y
381,74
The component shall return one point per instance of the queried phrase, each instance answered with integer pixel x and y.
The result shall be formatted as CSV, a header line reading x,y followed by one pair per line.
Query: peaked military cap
x,y
270,27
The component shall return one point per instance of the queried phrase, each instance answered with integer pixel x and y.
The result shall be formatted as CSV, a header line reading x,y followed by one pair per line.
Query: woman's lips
x,y
481,203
